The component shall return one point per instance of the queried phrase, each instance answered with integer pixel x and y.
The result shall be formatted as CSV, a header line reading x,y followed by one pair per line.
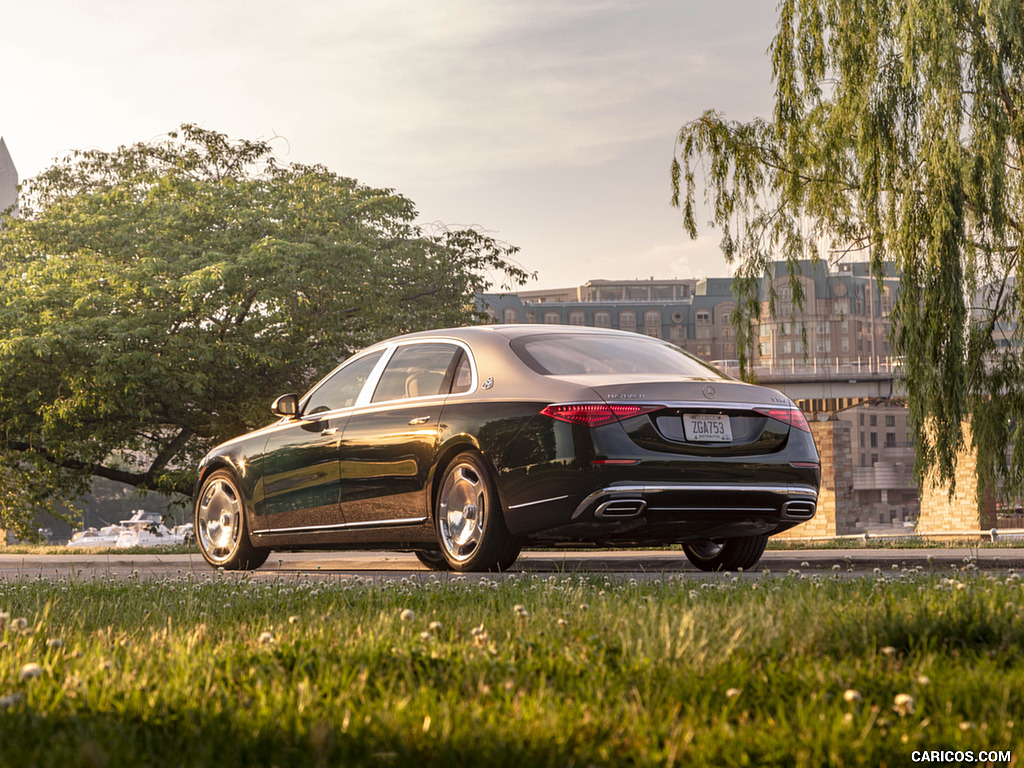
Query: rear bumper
x,y
666,512
789,502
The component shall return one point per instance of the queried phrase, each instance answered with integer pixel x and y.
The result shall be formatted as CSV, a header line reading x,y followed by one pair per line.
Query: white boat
x,y
147,529
104,537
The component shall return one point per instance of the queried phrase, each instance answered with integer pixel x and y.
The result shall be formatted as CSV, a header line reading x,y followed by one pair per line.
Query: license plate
x,y
707,427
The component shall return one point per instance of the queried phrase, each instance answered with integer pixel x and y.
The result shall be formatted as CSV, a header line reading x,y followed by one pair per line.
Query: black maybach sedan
x,y
466,445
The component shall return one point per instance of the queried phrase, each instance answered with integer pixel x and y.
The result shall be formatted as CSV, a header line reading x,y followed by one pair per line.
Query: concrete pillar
x,y
962,512
836,512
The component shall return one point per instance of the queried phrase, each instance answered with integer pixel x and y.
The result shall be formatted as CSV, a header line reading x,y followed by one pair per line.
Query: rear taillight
x,y
792,416
595,414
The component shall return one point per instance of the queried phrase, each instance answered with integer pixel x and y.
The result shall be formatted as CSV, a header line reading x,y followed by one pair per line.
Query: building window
x,y
890,421
861,439
846,344
531,316
576,318
890,439
627,320
873,421
652,318
603,319
874,439
552,318
511,315
824,345
787,347
703,316
704,350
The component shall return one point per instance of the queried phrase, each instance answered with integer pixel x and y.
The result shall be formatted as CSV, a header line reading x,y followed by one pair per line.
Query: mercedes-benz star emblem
x,y
709,391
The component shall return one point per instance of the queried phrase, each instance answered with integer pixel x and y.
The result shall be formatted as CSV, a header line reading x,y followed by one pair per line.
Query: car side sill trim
x,y
342,526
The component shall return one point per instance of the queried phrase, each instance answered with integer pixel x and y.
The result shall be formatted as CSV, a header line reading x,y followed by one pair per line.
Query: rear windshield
x,y
582,354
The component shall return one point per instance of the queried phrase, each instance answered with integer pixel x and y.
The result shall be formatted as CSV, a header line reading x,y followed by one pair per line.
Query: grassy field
x,y
533,670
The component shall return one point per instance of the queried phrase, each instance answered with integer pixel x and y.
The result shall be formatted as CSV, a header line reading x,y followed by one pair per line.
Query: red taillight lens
x,y
792,416
595,414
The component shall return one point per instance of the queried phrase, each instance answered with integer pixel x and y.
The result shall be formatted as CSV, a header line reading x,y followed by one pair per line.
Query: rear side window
x,y
416,370
592,354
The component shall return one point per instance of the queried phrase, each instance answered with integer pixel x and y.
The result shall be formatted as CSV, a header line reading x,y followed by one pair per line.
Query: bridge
x,y
822,385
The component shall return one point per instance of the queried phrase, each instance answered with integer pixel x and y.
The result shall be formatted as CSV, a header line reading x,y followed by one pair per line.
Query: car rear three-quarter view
x,y
466,445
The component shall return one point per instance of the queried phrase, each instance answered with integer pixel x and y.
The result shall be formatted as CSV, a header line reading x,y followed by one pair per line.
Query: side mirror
x,y
287,406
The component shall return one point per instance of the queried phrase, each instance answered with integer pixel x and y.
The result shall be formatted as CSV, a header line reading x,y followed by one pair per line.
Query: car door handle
x,y
420,420
329,431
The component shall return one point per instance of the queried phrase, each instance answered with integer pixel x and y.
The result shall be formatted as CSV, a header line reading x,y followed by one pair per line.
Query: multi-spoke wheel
x,y
726,554
220,526
470,526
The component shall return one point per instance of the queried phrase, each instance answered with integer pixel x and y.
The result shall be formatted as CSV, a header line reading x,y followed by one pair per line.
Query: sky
x,y
547,124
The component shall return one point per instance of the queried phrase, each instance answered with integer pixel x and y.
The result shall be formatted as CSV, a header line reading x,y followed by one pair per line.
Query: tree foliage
x,y
898,130
158,296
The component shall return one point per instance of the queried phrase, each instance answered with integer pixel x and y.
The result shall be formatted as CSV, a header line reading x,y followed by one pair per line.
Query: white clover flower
x,y
887,650
19,625
4,618
30,671
732,693
293,619
10,700
850,695
903,704
54,642
266,638
408,614
805,564
923,680
562,623
480,635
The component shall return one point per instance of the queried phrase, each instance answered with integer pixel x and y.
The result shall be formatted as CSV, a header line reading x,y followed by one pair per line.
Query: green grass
x,y
531,670
906,542
55,549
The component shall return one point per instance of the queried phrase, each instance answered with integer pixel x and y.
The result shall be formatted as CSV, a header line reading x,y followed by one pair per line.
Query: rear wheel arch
x,y
448,452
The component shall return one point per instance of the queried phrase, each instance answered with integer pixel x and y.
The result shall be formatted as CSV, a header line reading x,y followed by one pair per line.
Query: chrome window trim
x,y
366,394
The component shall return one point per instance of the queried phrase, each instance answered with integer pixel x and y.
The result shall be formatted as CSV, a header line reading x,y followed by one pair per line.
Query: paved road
x,y
624,564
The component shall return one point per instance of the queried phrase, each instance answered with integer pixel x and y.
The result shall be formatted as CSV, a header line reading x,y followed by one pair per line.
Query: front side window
x,y
416,370
340,389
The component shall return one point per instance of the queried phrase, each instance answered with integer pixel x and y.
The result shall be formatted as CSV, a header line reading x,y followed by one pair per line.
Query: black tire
x,y
432,558
468,520
726,554
221,526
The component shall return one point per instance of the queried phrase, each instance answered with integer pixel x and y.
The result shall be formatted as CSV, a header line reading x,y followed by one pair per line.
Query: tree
x,y
157,297
898,130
